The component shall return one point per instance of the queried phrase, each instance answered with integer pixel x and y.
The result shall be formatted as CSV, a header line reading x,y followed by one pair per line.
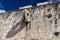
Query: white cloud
x,y
25,7
2,11
1,8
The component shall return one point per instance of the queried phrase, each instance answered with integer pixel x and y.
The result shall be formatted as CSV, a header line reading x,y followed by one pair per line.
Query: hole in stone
x,y
34,39
49,9
55,26
56,33
59,16
27,14
31,15
51,21
55,21
49,15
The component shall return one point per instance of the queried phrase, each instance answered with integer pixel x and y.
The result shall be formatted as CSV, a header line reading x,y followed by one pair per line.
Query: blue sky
x,y
9,5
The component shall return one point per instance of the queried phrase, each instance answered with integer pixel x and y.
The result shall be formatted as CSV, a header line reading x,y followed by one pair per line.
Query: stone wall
x,y
38,23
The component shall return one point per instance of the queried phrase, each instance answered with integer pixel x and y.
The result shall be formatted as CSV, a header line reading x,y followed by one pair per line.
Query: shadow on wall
x,y
16,29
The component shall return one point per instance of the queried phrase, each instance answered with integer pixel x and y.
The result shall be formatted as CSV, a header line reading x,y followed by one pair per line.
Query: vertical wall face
x,y
44,24
41,25
11,26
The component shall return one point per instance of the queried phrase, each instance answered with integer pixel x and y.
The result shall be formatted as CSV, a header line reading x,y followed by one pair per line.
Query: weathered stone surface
x,y
40,23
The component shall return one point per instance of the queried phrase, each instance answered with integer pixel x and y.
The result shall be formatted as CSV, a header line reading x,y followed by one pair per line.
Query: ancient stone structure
x,y
37,23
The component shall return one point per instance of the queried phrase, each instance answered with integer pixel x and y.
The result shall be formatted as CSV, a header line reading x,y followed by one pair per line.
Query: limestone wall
x,y
44,23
